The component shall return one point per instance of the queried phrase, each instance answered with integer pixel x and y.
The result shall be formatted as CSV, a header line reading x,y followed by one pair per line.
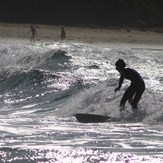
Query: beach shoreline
x,y
105,36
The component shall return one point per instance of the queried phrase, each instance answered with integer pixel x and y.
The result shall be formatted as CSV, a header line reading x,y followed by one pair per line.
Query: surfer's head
x,y
120,64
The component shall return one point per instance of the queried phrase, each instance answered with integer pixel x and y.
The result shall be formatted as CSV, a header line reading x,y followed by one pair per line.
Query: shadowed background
x,y
135,13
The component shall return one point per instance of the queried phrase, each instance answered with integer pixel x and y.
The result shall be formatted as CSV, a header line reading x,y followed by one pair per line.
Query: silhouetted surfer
x,y
33,34
135,90
63,34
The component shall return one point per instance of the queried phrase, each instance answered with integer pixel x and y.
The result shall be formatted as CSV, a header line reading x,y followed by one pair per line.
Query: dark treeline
x,y
137,13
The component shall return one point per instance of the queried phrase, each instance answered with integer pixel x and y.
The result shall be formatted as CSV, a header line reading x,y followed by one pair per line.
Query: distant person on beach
x,y
33,34
63,34
134,92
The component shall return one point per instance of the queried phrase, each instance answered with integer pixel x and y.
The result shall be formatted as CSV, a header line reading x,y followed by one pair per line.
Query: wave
x,y
56,61
18,57
25,78
30,67
53,75
101,99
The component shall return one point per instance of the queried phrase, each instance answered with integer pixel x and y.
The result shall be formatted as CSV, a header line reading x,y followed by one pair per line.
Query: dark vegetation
x,y
131,13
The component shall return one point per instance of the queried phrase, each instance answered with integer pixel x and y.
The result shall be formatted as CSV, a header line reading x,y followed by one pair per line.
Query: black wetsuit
x,y
136,88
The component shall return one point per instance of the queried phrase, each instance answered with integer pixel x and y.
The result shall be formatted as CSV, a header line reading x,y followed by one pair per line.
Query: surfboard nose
x,y
91,118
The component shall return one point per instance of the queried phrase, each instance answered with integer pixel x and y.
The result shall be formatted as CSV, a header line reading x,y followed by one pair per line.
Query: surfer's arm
x,y
120,83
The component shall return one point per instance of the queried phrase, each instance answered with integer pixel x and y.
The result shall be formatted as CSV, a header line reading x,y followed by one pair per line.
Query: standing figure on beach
x,y
134,92
33,34
63,34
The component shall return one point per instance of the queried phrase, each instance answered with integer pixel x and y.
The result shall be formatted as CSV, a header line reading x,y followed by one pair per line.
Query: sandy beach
x,y
89,35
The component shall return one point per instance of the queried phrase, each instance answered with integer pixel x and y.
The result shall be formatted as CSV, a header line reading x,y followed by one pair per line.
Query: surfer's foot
x,y
122,107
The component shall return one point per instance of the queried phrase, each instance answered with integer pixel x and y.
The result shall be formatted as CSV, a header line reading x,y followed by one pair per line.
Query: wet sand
x,y
88,35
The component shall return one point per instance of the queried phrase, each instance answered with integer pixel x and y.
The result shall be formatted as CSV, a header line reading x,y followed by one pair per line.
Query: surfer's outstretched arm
x,y
120,83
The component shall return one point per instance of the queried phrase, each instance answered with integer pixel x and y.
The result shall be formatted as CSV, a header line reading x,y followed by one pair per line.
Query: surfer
x,y
33,33
134,92
63,34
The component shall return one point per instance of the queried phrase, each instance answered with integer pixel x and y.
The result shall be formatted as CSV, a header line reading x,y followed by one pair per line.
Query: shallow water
x,y
42,87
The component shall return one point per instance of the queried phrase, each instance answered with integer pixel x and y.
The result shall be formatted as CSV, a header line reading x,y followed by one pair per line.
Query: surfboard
x,y
93,118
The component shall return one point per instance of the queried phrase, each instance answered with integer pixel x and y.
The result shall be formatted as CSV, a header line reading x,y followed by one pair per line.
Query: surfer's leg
x,y
137,96
136,99
127,95
131,97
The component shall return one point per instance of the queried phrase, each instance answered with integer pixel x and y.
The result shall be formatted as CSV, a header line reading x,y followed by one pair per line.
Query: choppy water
x,y
43,85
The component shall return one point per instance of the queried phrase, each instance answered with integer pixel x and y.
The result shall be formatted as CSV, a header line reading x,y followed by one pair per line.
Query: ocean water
x,y
43,85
